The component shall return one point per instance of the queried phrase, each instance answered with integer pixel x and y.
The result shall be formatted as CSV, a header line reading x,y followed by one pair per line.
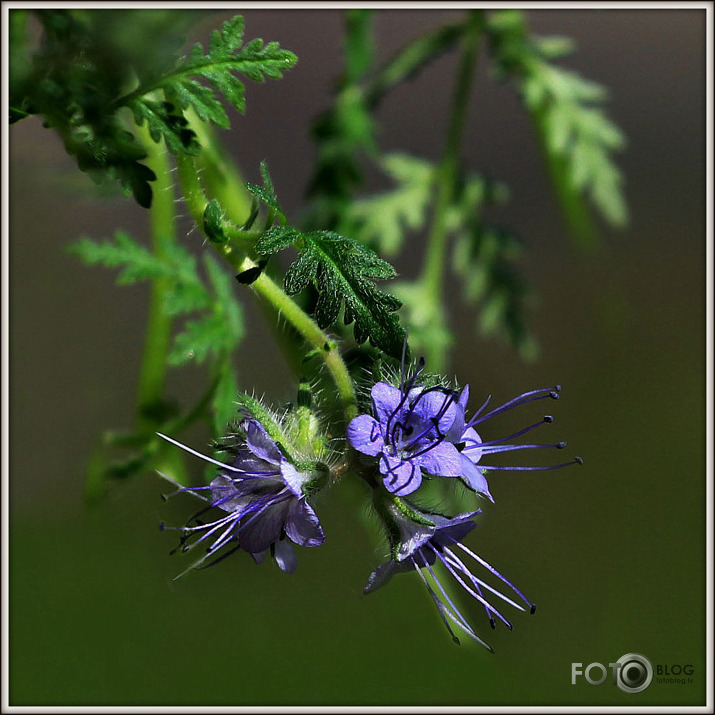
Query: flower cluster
x,y
421,431
413,431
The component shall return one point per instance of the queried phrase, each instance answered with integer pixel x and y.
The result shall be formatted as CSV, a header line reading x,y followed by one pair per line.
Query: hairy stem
x,y
158,330
269,292
221,175
295,316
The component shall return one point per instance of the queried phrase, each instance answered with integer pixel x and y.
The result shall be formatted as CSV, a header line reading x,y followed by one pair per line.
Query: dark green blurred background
x,y
612,553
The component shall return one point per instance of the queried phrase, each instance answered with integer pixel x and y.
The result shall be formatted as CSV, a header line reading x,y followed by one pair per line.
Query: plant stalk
x,y
433,271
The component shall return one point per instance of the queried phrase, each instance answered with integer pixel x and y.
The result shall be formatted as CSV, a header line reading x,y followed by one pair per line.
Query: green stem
x,y
220,175
410,59
158,330
270,293
433,272
293,314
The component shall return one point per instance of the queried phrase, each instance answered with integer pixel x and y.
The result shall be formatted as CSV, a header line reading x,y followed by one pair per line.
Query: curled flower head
x,y
263,495
426,539
416,430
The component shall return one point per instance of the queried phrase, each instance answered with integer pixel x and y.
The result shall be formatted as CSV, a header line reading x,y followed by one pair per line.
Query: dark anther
x,y
578,460
509,626
554,395
163,497
560,445
162,526
460,446
493,624
548,418
533,609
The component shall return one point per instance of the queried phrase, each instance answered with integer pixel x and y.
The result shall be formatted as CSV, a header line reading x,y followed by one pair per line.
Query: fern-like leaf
x,y
343,273
577,136
227,57
381,221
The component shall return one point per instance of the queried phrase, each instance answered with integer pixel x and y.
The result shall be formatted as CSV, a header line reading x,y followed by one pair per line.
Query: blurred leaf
x,y
123,252
577,137
381,221
218,331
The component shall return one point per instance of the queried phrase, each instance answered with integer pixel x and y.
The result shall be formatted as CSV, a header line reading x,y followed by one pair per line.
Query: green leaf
x,y
382,221
218,332
226,58
214,222
78,77
577,137
123,252
276,239
266,193
343,273
484,258
162,121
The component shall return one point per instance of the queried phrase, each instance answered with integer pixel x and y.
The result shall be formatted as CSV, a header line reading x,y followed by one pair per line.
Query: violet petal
x,y
386,399
442,459
472,476
258,531
400,476
365,436
261,444
293,478
302,525
285,557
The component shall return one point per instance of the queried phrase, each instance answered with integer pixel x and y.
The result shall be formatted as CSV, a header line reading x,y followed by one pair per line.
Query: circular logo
x,y
635,673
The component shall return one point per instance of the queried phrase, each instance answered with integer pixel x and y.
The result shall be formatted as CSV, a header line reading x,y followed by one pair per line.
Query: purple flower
x,y
416,430
262,495
429,538
408,435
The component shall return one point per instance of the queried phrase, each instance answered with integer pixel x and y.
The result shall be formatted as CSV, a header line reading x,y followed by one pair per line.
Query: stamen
x,y
547,419
270,500
449,400
440,606
402,363
496,573
459,571
217,559
478,583
540,394
511,447
455,614
198,454
575,460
